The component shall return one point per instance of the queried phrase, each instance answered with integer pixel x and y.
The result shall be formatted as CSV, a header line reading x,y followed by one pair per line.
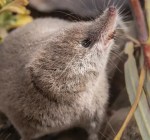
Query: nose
x,y
104,26
112,10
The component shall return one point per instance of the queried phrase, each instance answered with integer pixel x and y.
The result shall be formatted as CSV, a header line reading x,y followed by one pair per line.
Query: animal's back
x,y
17,49
16,90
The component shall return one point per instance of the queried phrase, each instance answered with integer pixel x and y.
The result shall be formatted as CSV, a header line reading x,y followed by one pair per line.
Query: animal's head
x,y
77,53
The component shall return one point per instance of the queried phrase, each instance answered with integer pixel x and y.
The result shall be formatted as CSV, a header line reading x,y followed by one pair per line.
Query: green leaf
x,y
21,20
16,6
13,14
6,19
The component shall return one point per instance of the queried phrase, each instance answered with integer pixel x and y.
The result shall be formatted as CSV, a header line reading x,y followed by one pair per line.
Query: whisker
x,y
95,5
116,55
114,65
77,18
109,124
8,136
102,134
108,3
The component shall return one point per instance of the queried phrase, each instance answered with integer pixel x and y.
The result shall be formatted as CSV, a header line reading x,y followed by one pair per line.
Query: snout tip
x,y
112,10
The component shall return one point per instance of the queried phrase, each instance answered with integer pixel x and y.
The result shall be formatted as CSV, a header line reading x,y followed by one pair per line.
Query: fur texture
x,y
50,81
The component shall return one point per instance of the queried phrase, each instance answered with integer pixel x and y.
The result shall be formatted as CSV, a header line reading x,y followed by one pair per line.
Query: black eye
x,y
86,43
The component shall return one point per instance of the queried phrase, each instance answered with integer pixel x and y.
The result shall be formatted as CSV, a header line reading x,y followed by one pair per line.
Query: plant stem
x,y
147,45
134,106
140,21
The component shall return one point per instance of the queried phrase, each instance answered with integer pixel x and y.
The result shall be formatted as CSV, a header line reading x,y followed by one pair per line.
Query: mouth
x,y
109,38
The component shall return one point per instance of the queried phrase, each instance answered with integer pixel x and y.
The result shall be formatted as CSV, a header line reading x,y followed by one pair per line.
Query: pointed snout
x,y
112,10
108,19
105,25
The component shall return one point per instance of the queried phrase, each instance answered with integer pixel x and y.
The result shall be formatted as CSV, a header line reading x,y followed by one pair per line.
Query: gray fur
x,y
49,82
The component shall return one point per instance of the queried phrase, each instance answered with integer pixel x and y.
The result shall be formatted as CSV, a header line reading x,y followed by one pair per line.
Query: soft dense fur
x,y
50,82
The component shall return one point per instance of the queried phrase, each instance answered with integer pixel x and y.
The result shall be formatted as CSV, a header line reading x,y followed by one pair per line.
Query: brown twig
x,y
147,45
134,106
140,21
143,34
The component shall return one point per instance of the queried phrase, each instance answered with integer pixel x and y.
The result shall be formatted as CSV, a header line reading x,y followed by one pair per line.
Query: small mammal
x,y
54,77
